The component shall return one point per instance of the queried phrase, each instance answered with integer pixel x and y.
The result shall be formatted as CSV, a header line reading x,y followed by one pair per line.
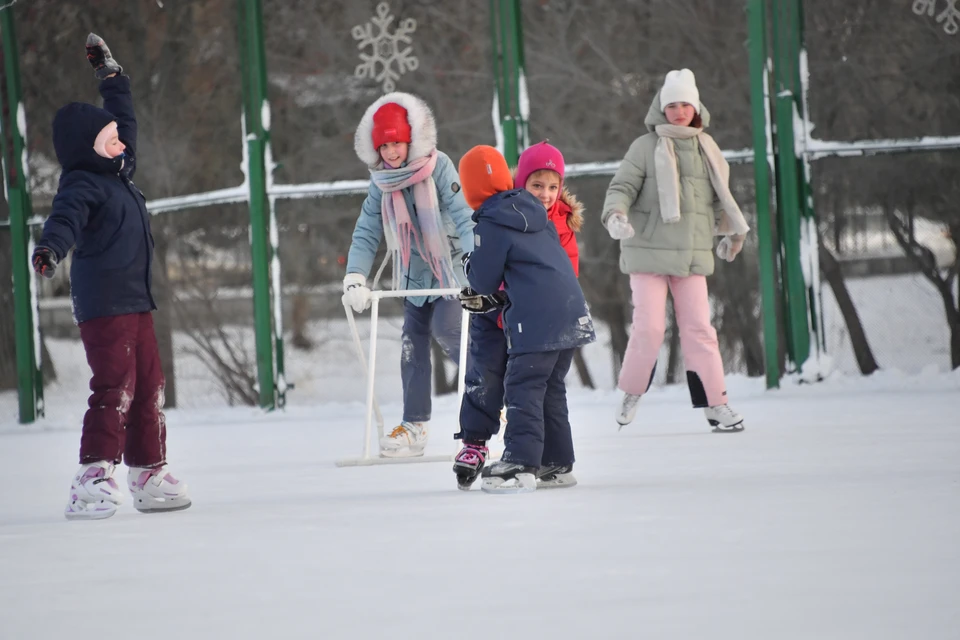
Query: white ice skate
x,y
723,419
155,490
94,494
408,440
507,477
627,410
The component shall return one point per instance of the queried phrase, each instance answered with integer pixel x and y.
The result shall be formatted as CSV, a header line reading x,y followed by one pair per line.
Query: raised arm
x,y
115,91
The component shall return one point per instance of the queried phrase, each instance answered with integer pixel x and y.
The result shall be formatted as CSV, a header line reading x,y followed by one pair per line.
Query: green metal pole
x,y
253,70
495,66
508,77
509,84
519,77
29,378
806,181
759,106
788,188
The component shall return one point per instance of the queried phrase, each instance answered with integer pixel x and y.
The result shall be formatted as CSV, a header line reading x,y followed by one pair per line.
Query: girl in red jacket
x,y
540,171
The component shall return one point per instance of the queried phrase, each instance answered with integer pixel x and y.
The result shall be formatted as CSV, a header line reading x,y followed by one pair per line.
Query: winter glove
x,y
98,53
355,292
619,227
44,262
729,247
477,303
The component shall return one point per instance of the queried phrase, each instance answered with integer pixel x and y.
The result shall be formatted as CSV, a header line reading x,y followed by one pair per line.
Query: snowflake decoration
x,y
950,16
387,53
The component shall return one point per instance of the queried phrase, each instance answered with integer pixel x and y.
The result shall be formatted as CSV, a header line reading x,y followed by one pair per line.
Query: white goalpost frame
x,y
372,407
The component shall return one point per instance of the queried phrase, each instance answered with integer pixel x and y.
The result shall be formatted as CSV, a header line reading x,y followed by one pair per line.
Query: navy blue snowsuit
x,y
100,210
544,322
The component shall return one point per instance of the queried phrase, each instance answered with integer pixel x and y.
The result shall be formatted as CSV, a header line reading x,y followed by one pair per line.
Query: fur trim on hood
x,y
423,128
575,217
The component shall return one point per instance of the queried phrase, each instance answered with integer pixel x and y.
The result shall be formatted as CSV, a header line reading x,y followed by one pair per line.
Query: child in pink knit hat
x,y
540,171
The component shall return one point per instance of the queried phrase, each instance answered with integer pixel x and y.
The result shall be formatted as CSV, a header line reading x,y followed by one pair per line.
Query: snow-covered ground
x,y
836,514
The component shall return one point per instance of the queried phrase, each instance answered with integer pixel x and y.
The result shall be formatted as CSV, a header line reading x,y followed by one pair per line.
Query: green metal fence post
x,y
788,186
29,375
806,182
760,110
509,83
253,70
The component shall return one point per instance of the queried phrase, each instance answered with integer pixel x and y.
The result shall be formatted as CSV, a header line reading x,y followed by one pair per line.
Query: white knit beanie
x,y
680,86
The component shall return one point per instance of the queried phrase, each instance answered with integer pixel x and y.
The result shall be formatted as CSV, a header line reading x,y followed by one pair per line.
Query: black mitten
x,y
44,262
98,53
477,303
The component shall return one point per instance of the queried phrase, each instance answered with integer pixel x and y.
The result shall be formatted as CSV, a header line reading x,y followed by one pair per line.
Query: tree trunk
x,y
163,322
441,384
578,361
858,338
300,317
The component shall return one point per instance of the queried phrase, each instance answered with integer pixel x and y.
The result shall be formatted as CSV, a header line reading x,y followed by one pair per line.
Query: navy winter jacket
x,y
100,210
515,244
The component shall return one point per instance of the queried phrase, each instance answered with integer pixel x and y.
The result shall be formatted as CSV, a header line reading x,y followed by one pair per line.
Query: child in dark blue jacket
x,y
100,210
545,318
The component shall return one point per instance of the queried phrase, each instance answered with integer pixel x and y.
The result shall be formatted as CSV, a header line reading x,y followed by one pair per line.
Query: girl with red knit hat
x,y
414,201
540,171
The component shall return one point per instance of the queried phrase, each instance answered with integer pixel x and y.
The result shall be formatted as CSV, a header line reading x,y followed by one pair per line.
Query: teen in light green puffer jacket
x,y
667,201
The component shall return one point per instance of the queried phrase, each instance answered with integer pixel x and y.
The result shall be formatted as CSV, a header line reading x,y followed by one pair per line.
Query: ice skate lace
x,y
399,431
472,454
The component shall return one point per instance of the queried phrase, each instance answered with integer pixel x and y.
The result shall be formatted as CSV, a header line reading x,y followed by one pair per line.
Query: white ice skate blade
x,y
369,462
719,428
149,504
404,452
521,483
562,481
91,514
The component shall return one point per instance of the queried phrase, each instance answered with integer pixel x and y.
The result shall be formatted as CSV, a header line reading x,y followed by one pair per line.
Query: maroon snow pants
x,y
125,417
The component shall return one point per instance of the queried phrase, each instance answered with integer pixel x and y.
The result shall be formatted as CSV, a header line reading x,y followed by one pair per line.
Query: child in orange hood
x,y
532,264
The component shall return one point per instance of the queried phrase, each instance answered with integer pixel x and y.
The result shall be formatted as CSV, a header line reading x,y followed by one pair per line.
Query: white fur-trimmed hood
x,y
423,128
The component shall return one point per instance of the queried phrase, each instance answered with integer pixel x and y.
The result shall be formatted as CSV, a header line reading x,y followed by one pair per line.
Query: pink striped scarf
x,y
402,233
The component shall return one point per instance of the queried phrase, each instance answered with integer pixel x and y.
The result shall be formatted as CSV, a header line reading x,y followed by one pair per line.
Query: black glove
x,y
98,53
44,262
477,303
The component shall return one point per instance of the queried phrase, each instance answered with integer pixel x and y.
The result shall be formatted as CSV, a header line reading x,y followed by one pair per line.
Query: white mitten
x,y
355,292
729,247
619,227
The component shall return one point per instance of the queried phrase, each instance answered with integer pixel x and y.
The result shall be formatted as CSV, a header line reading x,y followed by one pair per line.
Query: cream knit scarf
x,y
732,221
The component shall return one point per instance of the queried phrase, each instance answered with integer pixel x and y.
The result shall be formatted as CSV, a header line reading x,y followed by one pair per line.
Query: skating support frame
x,y
369,366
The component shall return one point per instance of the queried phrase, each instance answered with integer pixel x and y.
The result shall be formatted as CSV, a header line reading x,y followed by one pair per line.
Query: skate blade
x,y
161,506
719,428
465,480
405,452
562,481
90,514
521,483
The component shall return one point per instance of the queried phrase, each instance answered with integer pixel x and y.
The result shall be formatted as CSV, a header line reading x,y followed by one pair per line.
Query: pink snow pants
x,y
698,339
